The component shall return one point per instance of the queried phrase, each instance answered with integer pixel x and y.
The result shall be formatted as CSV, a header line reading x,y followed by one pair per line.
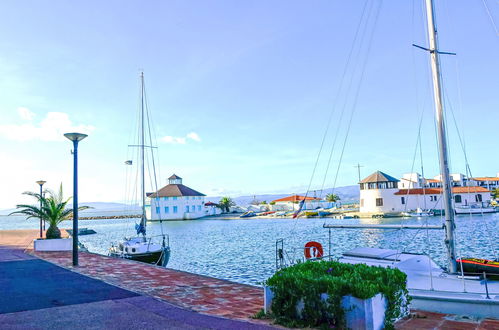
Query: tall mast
x,y
442,141
142,151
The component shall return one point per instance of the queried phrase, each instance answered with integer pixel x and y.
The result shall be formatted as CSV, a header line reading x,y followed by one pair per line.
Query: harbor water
x,y
244,250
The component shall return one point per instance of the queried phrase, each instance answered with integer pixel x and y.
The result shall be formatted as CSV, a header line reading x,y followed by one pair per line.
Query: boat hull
x,y
455,303
160,257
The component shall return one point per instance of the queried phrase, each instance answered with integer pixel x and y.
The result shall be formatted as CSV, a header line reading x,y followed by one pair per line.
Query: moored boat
x,y
474,209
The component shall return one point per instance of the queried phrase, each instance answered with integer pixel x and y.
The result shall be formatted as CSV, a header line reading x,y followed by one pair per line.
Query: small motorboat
x,y
474,209
82,231
418,213
248,214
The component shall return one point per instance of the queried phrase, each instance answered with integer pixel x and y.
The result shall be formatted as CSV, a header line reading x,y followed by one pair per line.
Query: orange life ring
x,y
313,250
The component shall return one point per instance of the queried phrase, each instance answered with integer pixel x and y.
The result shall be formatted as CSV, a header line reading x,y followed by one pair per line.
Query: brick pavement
x,y
195,292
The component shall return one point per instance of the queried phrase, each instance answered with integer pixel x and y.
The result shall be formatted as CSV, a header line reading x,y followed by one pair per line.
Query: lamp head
x,y
41,182
75,136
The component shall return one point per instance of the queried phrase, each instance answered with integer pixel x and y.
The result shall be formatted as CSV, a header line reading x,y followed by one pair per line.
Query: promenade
x,y
39,294
43,290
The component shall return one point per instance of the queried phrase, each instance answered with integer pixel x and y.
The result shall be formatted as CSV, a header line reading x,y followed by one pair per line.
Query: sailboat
x,y
142,247
465,287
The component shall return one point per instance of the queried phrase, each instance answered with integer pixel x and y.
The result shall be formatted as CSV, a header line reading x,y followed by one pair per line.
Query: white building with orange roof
x,y
488,182
382,193
292,203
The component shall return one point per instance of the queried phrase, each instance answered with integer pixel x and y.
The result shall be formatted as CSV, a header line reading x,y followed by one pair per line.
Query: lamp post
x,y
41,183
75,137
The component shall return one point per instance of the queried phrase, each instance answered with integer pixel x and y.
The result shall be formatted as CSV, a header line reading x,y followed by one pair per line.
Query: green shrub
x,y
309,280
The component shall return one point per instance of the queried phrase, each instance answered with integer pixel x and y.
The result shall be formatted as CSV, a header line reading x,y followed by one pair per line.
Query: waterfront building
x,y
430,198
377,193
176,201
292,203
488,182
211,208
382,193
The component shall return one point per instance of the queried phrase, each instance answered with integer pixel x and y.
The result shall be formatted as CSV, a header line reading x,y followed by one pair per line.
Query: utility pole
x,y
358,169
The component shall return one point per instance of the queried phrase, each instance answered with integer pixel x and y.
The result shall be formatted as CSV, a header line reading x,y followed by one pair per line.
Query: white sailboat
x,y
460,289
142,247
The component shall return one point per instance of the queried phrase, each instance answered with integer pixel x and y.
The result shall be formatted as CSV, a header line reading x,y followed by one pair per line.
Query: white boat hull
x,y
430,287
472,210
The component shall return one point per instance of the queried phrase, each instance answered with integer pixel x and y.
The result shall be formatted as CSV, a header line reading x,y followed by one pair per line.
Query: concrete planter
x,y
57,244
368,314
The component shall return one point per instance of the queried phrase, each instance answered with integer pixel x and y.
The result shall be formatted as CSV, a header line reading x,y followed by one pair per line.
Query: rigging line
x,y
490,17
153,163
320,149
461,141
354,106
337,96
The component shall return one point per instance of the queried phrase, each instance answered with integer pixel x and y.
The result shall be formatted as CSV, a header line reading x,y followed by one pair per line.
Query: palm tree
x,y
225,204
332,198
53,210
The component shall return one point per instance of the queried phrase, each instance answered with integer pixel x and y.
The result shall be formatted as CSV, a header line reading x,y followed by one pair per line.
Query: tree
x,y
225,204
495,193
332,198
53,210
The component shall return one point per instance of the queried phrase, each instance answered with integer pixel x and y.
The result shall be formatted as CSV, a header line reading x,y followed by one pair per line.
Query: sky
x,y
240,92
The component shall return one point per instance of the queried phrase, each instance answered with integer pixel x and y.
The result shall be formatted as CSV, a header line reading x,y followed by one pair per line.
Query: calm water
x,y
244,250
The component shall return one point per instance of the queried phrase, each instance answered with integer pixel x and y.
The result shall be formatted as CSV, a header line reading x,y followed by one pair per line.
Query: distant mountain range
x,y
348,194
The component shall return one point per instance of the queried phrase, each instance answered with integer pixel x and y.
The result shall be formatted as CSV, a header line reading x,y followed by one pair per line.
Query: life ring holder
x,y
313,250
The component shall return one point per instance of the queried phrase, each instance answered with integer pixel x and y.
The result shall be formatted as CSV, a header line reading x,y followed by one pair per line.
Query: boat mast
x,y
142,152
442,141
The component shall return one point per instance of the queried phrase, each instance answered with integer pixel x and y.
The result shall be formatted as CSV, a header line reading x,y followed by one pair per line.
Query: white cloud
x,y
51,128
194,136
25,113
173,139
181,140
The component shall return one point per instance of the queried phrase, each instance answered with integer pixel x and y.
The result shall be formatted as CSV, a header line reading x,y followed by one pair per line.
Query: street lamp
x,y
75,137
41,183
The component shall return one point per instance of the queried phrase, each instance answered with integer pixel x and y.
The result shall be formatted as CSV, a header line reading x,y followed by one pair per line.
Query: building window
x,y
187,209
458,199
379,201
157,209
362,203
193,208
167,209
402,200
199,208
175,209
478,198
166,198
174,198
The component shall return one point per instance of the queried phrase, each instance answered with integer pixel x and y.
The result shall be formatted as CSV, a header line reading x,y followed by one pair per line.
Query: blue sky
x,y
254,81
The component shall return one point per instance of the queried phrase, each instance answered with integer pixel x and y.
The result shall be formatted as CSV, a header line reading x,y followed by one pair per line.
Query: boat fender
x,y
313,250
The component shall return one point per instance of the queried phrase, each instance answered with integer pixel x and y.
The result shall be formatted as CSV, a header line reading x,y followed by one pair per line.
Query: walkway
x,y
151,297
37,294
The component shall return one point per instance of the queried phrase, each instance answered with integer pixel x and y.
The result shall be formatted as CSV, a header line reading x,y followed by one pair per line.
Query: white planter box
x,y
368,314
58,244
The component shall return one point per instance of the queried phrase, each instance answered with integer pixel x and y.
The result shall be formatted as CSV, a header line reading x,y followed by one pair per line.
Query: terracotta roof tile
x,y
379,176
176,190
295,198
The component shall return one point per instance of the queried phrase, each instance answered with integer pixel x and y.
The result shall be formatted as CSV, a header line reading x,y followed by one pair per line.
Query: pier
x,y
115,293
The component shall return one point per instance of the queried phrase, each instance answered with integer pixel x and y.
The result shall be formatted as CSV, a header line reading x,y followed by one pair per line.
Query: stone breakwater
x,y
101,217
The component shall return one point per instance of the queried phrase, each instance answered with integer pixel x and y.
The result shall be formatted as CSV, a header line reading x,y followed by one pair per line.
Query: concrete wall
x,y
391,203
